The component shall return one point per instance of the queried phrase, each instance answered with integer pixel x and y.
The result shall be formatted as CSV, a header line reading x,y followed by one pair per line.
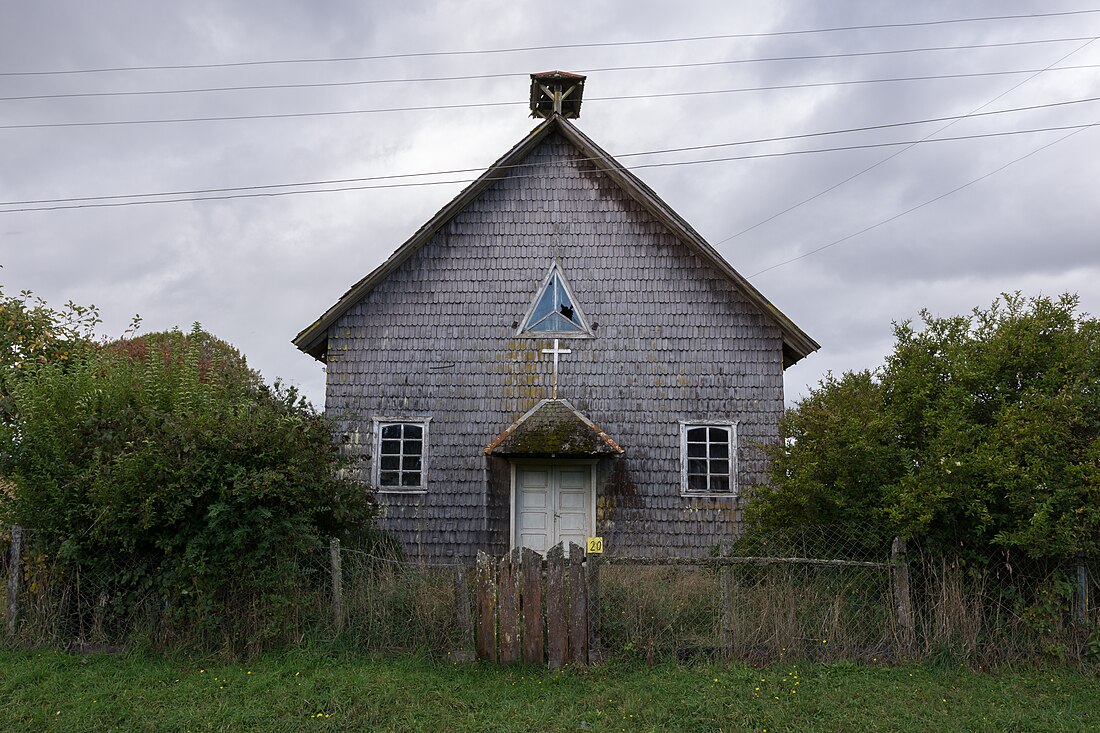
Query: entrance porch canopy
x,y
553,429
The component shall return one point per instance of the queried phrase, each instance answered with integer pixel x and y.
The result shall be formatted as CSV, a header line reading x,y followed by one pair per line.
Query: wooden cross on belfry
x,y
554,379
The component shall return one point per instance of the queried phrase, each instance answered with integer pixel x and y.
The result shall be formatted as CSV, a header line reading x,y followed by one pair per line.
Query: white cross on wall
x,y
554,379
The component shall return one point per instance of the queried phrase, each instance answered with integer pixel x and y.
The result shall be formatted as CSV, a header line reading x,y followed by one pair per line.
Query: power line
x,y
976,112
453,171
469,105
272,194
835,242
473,77
610,44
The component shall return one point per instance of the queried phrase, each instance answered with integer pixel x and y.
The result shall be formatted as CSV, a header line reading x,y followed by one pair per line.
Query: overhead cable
x,y
454,171
548,47
835,242
976,112
473,77
272,194
469,105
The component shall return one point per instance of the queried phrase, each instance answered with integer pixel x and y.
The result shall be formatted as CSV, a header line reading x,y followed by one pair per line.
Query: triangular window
x,y
555,310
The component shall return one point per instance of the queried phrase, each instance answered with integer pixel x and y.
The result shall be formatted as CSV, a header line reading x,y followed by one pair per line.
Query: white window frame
x,y
586,329
377,424
731,426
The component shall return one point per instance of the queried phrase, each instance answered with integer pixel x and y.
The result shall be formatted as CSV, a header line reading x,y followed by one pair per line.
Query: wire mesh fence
x,y
761,598
807,594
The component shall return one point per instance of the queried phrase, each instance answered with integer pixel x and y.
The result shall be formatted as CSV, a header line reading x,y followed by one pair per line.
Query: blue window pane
x,y
554,311
554,322
545,306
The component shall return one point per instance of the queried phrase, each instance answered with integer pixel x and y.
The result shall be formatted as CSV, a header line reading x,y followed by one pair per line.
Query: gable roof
x,y
797,344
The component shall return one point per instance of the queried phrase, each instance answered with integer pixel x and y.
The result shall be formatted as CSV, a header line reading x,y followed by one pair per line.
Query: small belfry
x,y
556,93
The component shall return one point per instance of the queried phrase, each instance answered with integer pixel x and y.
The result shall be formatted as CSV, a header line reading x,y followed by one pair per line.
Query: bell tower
x,y
556,93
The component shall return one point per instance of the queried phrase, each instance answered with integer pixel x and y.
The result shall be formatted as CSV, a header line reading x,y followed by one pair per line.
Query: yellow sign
x,y
595,545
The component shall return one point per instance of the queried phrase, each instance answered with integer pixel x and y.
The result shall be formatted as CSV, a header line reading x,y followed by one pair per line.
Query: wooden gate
x,y
538,611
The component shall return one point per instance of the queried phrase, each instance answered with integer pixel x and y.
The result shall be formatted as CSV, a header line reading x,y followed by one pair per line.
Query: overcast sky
x,y
255,271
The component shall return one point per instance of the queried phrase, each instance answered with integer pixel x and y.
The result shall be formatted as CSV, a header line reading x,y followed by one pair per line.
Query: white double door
x,y
553,503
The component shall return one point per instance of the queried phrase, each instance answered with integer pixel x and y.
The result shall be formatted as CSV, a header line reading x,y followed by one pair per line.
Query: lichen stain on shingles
x,y
519,368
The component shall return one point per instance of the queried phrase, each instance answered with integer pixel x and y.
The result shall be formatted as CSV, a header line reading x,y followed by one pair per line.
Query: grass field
x,y
301,691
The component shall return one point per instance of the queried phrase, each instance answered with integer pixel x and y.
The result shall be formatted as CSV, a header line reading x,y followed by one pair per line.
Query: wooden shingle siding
x,y
674,340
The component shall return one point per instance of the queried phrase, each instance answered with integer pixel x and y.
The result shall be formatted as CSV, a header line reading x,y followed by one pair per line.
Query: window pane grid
x,y
708,460
399,456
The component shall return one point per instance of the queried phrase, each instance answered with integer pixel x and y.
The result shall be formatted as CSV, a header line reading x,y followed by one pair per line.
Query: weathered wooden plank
x,y
578,607
595,643
486,608
534,627
508,601
557,639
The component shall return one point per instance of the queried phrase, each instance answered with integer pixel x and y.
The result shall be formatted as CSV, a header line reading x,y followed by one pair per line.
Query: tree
x,y
980,431
838,455
163,464
33,333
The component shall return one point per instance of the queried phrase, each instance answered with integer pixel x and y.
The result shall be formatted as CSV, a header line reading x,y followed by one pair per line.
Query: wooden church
x,y
555,355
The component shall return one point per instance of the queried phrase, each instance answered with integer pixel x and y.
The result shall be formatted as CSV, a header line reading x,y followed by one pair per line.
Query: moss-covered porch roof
x,y
553,428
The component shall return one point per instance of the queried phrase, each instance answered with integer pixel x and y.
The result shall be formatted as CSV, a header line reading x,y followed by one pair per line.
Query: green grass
x,y
54,691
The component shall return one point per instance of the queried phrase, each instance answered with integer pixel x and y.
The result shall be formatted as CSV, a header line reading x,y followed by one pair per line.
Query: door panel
x,y
533,513
553,504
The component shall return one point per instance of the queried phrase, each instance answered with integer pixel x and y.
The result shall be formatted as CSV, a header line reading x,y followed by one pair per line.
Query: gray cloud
x,y
255,271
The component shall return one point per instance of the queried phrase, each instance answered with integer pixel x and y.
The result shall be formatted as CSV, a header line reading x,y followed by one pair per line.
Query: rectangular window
x,y
400,453
708,458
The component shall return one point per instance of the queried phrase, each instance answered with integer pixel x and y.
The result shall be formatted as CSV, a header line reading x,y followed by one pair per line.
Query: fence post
x,y
462,614
595,644
486,609
578,607
1081,602
14,578
903,612
725,578
337,584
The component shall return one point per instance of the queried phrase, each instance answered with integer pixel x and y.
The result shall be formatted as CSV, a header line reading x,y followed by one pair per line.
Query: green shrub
x,y
162,466
980,433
